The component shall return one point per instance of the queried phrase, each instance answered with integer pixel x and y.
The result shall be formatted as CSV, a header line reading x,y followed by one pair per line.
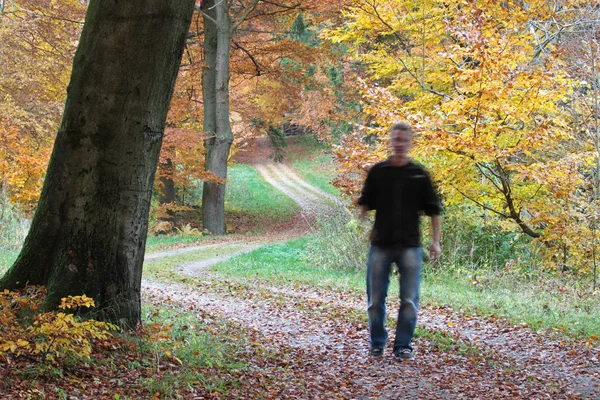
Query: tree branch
x,y
42,15
481,204
282,5
250,56
205,15
243,16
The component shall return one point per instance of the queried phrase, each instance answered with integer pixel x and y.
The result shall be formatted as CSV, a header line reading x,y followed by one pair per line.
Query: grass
x,y
539,303
318,172
163,268
444,342
248,193
7,258
285,262
204,360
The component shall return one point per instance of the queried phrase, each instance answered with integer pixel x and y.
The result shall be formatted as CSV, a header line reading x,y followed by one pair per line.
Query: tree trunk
x,y
216,112
89,231
167,193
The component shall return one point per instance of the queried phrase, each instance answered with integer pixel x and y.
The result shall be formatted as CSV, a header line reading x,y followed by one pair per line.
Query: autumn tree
x,y
318,88
465,75
89,230
574,33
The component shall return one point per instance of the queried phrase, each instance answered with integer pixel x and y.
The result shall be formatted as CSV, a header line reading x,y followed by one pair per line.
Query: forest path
x,y
319,337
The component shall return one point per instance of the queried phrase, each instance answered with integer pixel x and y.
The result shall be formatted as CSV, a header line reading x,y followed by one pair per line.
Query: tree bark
x,y
167,193
89,231
216,111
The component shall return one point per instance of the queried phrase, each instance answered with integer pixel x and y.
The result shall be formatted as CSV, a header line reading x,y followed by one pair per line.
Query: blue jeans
x,y
379,267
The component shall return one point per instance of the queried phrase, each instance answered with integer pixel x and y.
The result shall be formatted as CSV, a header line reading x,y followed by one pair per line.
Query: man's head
x,y
401,139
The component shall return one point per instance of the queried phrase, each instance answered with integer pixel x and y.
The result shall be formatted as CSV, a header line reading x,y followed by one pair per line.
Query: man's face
x,y
401,142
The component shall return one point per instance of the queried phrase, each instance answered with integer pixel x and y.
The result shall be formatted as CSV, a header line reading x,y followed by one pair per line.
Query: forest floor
x,y
306,342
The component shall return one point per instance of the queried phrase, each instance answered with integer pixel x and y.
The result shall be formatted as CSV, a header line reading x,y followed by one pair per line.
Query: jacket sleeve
x,y
367,196
430,203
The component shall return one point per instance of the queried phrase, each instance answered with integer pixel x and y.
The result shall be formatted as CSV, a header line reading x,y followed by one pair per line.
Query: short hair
x,y
401,126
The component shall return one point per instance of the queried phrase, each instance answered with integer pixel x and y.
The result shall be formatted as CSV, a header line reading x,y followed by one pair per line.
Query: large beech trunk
x,y
89,231
215,87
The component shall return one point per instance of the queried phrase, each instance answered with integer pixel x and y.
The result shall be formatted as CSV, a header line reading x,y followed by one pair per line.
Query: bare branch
x,y
250,56
244,15
481,204
205,15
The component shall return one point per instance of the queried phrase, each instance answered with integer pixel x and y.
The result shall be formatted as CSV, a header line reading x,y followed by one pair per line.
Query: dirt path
x,y
313,202
321,336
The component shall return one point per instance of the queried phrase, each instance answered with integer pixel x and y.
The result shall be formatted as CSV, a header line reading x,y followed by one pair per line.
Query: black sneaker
x,y
376,353
403,354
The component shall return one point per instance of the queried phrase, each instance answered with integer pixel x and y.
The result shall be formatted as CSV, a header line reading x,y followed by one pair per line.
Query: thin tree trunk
x,y
89,231
209,69
167,192
218,145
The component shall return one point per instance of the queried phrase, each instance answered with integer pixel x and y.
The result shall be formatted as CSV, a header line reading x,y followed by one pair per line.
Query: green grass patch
x,y
284,262
204,360
539,303
443,342
163,268
319,172
304,147
7,258
248,193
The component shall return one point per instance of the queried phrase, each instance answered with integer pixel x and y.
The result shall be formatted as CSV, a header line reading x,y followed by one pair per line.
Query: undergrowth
x,y
173,354
13,225
47,336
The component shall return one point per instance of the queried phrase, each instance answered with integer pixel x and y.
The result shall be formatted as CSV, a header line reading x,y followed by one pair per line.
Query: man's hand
x,y
434,251
364,209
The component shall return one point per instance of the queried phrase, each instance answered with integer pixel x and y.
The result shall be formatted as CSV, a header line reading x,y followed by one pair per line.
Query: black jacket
x,y
399,195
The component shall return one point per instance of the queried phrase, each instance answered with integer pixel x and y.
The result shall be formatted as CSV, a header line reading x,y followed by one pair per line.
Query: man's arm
x,y
365,200
436,231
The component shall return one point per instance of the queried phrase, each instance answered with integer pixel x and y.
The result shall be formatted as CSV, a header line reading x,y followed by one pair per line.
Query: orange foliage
x,y
183,148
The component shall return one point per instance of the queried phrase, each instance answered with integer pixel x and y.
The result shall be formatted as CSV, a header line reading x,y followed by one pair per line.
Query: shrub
x,y
47,336
469,244
340,242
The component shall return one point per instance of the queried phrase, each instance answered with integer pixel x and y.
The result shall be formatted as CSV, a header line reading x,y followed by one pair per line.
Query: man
x,y
399,191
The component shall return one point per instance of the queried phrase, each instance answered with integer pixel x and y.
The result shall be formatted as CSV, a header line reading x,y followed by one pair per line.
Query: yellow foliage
x,y
38,42
487,107
76,301
50,336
